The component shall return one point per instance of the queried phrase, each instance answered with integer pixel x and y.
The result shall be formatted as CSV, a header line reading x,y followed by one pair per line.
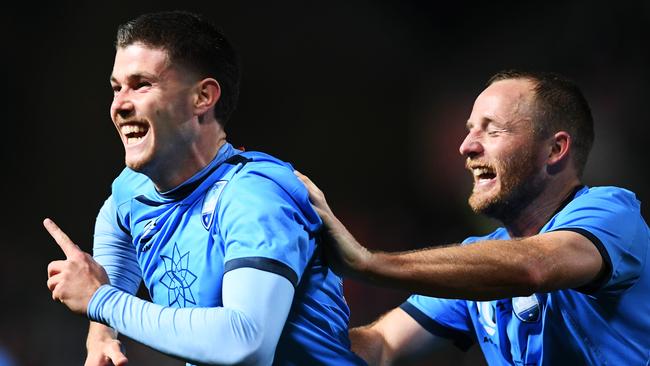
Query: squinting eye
x,y
116,89
142,84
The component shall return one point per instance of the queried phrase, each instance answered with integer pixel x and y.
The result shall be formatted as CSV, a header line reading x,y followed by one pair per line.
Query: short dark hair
x,y
560,106
194,43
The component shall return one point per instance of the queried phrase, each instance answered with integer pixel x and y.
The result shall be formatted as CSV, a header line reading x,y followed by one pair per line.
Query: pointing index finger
x,y
61,238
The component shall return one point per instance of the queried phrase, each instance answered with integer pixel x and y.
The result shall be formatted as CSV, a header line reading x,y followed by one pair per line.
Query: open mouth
x,y
483,174
134,132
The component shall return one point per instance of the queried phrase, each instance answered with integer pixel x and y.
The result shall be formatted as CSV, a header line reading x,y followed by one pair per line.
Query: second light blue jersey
x,y
607,323
242,210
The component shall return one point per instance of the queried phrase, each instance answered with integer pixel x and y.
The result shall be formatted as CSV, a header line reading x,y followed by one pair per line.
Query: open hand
x,y
344,254
73,281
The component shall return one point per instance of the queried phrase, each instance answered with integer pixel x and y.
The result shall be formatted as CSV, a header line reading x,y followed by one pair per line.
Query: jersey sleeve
x,y
610,218
263,226
245,330
447,318
112,249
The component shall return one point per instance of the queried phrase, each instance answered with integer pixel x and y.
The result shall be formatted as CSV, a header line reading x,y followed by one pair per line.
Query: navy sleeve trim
x,y
263,264
461,340
597,283
119,224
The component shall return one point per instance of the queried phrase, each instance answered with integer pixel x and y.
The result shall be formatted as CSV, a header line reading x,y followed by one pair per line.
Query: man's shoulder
x,y
264,183
258,167
257,161
610,192
605,209
610,197
128,183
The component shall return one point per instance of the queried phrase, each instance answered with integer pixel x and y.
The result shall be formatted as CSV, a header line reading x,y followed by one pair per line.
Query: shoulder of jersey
x,y
129,184
265,165
610,194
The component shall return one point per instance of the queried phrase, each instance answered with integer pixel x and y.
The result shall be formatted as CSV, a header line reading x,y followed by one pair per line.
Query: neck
x,y
194,157
537,213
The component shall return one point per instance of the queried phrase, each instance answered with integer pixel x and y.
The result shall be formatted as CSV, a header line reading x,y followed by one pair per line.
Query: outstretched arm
x,y
482,271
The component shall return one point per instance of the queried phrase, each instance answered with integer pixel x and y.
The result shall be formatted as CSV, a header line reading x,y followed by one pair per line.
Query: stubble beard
x,y
520,184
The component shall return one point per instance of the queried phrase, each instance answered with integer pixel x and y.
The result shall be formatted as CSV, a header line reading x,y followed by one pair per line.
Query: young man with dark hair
x,y
565,281
224,240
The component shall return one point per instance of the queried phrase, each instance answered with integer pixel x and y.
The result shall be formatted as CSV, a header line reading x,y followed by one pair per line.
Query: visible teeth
x,y
128,129
479,171
132,140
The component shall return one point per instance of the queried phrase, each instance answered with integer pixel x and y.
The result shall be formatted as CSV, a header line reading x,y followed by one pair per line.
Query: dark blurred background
x,y
369,98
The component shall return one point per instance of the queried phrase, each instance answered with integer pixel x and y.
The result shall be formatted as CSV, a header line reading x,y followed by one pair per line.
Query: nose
x,y
471,146
122,105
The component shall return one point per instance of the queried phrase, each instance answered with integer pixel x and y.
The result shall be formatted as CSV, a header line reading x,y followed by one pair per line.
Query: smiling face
x,y
151,109
503,154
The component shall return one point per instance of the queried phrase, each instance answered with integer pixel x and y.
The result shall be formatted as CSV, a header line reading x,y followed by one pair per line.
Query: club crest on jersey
x,y
210,202
526,309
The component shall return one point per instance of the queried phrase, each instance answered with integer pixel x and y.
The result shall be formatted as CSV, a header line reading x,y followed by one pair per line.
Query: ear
x,y
207,94
561,143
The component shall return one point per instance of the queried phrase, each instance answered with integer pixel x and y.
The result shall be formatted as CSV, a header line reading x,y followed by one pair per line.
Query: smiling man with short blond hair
x,y
565,281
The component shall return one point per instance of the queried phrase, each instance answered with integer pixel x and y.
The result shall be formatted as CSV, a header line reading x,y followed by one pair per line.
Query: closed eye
x,y
142,84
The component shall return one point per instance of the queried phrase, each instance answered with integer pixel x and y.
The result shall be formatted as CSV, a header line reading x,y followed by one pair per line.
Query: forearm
x,y
190,333
491,269
245,330
368,344
487,270
395,339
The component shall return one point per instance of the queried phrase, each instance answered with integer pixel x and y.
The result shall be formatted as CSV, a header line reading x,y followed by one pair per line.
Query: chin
x,y
481,203
138,165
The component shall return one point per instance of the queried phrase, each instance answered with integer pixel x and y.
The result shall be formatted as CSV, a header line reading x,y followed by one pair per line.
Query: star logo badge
x,y
178,278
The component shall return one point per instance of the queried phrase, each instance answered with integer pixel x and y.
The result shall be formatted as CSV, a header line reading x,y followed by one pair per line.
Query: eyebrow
x,y
136,76
483,120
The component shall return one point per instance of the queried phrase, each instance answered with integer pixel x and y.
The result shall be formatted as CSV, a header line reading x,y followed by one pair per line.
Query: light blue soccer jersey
x,y
606,323
242,210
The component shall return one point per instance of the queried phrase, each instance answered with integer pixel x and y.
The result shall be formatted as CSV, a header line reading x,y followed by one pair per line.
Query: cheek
x,y
112,109
511,159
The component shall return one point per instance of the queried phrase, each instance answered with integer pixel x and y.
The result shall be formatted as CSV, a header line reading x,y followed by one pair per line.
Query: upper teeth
x,y
479,171
127,129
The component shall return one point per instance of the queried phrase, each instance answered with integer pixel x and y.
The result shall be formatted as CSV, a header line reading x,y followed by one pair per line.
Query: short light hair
x,y
559,106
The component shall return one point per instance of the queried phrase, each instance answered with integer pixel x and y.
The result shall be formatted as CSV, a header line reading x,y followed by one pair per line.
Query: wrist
x,y
98,333
96,302
366,263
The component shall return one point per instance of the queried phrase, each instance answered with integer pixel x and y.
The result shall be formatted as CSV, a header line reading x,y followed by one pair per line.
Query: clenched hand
x,y
73,281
